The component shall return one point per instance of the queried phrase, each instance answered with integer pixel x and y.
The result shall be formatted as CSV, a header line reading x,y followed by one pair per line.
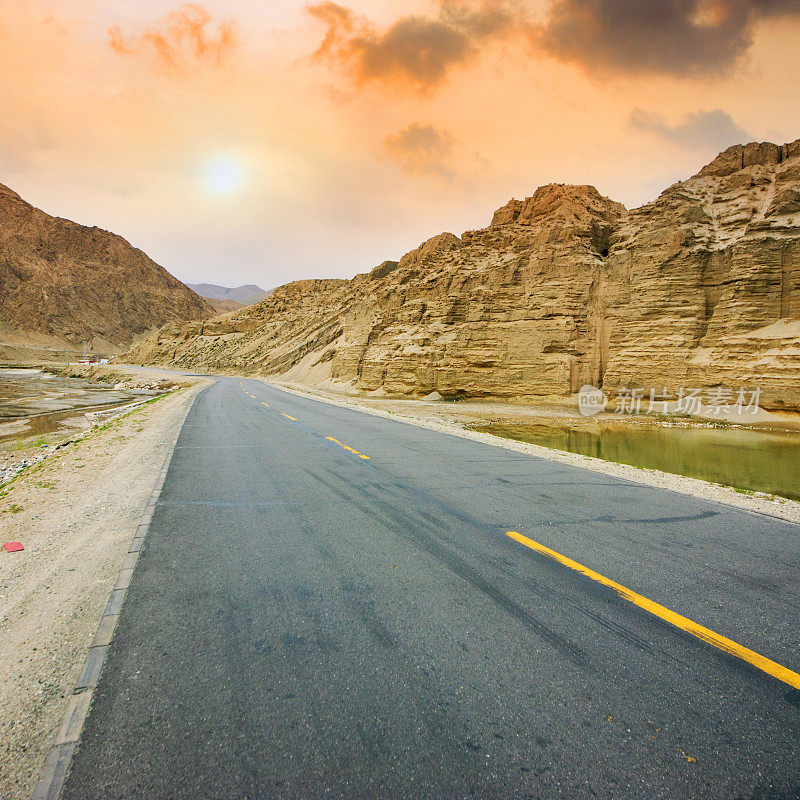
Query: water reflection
x,y
35,403
763,461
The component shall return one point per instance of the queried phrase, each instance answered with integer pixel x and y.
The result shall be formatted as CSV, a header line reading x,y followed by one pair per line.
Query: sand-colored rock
x,y
61,282
700,288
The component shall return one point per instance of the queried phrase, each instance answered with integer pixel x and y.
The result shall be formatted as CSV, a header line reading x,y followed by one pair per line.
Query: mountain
x,y
223,306
699,288
62,283
244,295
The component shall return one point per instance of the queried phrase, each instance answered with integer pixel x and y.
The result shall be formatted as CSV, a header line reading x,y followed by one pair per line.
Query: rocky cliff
x,y
700,288
66,283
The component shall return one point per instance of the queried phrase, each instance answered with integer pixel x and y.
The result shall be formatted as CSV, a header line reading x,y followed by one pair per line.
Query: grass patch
x,y
671,417
14,508
25,443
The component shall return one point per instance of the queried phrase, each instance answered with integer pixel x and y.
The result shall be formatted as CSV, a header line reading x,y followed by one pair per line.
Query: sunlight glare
x,y
223,175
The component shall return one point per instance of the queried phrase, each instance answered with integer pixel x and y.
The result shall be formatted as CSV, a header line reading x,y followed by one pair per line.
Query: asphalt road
x,y
307,623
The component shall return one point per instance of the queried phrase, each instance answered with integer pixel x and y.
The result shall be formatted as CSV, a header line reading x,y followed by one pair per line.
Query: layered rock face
x,y
703,285
74,284
700,288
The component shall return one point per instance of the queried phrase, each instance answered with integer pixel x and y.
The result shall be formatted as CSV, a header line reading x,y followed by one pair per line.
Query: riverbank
x,y
752,460
46,405
76,514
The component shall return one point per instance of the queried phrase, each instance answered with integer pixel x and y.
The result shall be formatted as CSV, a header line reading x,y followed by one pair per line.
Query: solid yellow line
x,y
709,636
355,452
288,417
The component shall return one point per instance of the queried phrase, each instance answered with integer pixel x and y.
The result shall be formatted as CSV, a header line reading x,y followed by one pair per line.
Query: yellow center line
x,y
355,452
708,636
288,417
265,404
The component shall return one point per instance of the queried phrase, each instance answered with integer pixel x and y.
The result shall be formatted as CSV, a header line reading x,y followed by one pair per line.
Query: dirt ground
x,y
545,411
75,513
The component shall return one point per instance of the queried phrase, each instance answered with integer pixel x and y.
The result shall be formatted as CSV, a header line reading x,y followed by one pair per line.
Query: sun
x,y
223,175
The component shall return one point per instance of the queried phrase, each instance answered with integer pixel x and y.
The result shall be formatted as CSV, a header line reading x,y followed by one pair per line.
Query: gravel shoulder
x,y
452,417
76,514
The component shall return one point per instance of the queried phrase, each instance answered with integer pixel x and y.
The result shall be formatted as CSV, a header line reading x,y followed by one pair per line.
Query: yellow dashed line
x,y
355,452
265,404
706,635
288,417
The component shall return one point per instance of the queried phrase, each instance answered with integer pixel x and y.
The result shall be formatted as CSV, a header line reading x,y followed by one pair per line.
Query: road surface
x,y
329,605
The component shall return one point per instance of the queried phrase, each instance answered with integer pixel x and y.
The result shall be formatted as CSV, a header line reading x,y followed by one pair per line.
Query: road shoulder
x,y
76,514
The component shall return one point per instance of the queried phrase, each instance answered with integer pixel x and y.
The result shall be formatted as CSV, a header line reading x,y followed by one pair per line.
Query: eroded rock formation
x,y
699,288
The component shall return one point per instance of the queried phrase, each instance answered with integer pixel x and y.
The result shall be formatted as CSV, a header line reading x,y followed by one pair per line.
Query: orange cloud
x,y
678,38
415,51
178,37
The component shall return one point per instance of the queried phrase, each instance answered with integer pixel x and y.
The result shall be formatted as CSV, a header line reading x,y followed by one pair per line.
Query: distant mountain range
x,y
245,295
63,284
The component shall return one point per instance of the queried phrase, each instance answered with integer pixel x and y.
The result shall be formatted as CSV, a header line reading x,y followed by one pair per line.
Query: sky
x,y
263,142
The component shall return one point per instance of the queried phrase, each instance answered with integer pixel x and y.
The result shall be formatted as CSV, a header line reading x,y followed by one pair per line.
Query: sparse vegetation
x,y
112,423
100,374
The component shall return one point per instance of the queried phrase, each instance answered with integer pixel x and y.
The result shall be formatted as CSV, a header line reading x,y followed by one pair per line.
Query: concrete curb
x,y
54,773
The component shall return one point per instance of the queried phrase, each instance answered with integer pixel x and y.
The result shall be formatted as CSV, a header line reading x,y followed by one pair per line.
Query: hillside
x,y
223,306
62,283
244,295
698,288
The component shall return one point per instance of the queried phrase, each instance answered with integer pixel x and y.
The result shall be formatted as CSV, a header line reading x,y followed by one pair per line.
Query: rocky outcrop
x,y
700,288
68,283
